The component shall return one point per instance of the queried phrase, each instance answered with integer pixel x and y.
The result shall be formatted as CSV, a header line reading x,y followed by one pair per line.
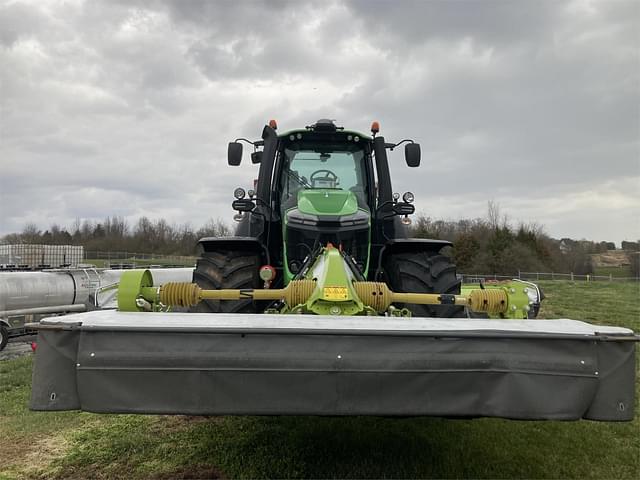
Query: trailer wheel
x,y
231,269
424,273
4,336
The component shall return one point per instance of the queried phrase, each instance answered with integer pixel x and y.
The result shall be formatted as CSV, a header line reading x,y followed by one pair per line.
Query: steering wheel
x,y
328,176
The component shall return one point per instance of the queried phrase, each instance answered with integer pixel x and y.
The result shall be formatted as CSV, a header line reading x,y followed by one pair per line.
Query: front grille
x,y
303,241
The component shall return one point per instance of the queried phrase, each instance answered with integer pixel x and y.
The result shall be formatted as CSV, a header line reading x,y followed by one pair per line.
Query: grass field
x,y
615,272
80,445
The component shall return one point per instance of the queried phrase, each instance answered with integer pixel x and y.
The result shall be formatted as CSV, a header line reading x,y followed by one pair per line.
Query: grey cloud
x,y
232,18
293,52
18,21
530,103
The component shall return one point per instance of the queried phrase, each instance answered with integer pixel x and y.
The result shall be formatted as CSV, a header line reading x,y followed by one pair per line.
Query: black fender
x,y
242,244
409,245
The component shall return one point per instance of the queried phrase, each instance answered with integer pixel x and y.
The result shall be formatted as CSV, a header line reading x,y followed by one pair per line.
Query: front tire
x,y
4,336
230,269
424,272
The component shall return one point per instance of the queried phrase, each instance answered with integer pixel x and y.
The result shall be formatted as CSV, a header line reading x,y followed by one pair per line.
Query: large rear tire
x,y
424,273
231,269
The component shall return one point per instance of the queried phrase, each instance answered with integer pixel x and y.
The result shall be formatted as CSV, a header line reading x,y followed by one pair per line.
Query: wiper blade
x,y
298,179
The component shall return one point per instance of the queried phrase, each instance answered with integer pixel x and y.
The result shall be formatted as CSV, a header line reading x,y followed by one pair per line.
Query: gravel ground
x,y
17,347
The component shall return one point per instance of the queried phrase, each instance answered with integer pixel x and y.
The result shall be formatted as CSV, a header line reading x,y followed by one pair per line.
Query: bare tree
x,y
31,233
493,214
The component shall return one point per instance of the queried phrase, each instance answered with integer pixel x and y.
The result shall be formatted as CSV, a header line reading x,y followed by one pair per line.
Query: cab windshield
x,y
308,166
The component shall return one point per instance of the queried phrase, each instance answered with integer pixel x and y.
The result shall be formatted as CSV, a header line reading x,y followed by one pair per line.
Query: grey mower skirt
x,y
224,364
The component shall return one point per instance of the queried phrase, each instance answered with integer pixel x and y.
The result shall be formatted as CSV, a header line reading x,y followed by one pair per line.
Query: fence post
x,y
552,276
610,276
519,275
537,276
572,276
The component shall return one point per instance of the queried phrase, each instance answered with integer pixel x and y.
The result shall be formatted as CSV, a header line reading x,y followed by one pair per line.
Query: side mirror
x,y
234,153
256,157
412,154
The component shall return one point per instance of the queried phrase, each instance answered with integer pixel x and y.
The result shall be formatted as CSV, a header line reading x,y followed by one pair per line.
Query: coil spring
x,y
180,294
299,291
491,300
374,294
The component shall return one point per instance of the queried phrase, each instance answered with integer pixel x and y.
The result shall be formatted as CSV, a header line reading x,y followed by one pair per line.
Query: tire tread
x,y
230,269
424,273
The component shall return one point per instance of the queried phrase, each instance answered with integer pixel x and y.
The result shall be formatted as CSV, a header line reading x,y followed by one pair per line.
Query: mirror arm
x,y
257,143
386,215
384,204
257,214
391,146
264,204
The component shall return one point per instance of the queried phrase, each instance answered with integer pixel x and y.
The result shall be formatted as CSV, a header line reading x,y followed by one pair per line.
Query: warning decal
x,y
335,293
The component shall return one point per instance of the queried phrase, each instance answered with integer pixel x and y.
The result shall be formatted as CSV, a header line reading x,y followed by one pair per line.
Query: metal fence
x,y
38,256
537,276
133,259
47,256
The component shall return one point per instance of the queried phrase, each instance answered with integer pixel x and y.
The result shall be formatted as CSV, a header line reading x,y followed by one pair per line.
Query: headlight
x,y
408,197
239,193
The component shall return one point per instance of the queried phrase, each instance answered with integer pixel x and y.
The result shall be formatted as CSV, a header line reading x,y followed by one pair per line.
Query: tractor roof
x,y
325,125
304,130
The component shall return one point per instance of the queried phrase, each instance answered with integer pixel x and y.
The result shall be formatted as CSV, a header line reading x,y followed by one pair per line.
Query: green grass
x,y
23,431
606,303
615,272
79,445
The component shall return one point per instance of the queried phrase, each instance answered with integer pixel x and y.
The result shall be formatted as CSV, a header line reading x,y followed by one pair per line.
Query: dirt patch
x,y
43,451
173,423
29,457
195,472
35,456
13,450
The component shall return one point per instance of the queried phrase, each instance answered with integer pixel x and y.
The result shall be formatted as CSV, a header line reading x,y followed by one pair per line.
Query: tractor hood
x,y
327,202
324,216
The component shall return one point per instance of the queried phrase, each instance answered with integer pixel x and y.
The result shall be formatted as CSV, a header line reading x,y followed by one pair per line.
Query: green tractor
x,y
321,305
318,186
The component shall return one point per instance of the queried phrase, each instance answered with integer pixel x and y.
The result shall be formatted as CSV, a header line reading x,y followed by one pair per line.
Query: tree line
x,y
493,245
116,234
490,245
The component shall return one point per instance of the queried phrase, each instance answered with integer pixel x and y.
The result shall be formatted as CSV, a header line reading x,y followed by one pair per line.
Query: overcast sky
x,y
125,108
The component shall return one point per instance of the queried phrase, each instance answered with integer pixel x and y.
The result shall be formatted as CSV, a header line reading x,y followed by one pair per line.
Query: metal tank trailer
x,y
28,296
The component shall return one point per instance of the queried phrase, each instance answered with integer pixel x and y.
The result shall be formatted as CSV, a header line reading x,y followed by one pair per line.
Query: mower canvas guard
x,y
241,364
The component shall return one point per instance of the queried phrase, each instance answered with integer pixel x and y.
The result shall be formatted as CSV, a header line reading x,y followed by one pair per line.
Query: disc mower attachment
x,y
226,364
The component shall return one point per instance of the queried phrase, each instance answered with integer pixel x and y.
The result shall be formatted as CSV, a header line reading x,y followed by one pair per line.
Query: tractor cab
x,y
322,184
322,156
